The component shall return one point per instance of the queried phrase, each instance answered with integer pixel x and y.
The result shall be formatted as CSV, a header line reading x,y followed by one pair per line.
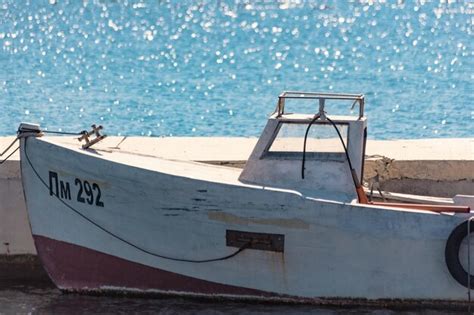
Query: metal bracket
x,y
260,241
356,98
322,113
28,130
86,134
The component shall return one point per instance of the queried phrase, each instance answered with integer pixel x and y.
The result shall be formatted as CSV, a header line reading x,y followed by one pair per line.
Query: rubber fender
x,y
451,254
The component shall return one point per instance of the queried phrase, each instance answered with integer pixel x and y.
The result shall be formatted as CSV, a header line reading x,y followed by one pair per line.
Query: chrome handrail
x,y
322,97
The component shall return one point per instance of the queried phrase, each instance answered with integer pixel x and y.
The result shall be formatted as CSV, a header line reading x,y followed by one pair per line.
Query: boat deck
x,y
200,171
222,149
239,148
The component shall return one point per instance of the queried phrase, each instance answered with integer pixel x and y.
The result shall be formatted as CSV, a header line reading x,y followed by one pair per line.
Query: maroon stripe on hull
x,y
74,267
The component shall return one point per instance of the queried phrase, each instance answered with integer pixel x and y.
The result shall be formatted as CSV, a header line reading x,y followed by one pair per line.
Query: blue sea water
x,y
215,68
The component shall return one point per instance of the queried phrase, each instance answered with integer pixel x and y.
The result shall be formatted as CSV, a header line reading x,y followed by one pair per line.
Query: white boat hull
x,y
336,252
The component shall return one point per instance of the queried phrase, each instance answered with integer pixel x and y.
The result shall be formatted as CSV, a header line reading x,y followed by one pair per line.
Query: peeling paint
x,y
178,209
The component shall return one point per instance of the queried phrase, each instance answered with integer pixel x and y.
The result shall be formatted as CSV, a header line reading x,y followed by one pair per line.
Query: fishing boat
x,y
294,225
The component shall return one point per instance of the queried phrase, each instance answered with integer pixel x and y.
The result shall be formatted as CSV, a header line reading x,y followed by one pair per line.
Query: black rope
x,y
342,141
9,146
36,131
353,173
5,159
53,132
304,143
63,132
245,246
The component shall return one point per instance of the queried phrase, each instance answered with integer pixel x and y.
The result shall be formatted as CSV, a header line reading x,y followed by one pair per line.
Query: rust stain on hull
x,y
234,219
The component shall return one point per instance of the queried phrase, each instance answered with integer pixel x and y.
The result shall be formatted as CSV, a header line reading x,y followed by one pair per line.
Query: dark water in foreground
x,y
43,298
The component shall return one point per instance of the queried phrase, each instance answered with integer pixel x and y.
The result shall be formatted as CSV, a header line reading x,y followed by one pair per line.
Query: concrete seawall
x,y
433,167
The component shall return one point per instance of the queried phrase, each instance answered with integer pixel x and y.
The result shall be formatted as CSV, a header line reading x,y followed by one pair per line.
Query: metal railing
x,y
322,97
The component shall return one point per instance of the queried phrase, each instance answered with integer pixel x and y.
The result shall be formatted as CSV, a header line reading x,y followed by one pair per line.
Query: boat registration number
x,y
85,191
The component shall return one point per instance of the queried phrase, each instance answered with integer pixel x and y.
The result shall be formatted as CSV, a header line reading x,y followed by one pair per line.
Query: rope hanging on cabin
x,y
360,193
361,196
316,117
342,142
146,251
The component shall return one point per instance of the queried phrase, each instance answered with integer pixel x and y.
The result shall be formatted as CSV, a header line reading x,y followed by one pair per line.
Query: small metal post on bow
x,y
86,134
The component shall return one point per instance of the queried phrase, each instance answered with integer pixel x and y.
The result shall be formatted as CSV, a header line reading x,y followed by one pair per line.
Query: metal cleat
x,y
86,134
29,129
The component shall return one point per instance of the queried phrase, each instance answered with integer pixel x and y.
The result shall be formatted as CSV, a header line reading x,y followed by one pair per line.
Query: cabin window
x,y
322,141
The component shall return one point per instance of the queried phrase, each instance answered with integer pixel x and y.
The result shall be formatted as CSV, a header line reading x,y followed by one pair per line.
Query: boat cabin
x,y
319,155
